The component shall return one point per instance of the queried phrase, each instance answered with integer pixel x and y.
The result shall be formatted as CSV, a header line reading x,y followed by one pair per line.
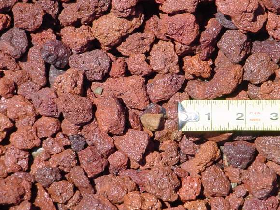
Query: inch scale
x,y
229,115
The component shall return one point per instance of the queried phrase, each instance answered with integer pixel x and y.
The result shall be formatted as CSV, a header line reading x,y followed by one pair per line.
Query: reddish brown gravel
x,y
88,104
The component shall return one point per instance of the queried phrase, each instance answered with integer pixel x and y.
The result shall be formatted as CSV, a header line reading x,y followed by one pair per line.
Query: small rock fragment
x,y
258,68
152,122
239,153
133,144
56,53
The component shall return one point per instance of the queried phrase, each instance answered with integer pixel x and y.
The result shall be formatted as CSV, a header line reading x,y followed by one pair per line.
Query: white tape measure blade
x,y
229,115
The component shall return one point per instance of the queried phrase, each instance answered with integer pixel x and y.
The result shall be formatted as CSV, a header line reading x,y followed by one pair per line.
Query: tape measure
x,y
229,115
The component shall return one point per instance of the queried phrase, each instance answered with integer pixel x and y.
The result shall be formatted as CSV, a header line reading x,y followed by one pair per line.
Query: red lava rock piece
x,y
161,182
5,21
152,25
269,146
47,175
47,126
197,204
7,5
53,145
182,28
94,137
117,162
98,202
219,203
91,161
35,66
269,90
169,153
163,87
217,137
183,50
109,29
239,153
78,39
134,119
45,102
110,115
50,7
224,82
208,38
71,81
76,198
133,144
114,188
7,87
3,172
272,5
26,182
259,180
77,142
233,174
61,191
246,15
27,89
28,16
118,68
124,8
188,147
242,95
190,189
90,89
64,160
56,53
25,205
7,62
234,45
195,67
11,191
131,90
169,6
20,110
273,26
254,203
5,125
95,64
79,179
137,65
215,182
206,155
141,201
14,42
83,11
234,201
225,21
137,43
76,109
163,58
69,128
258,68
274,166
41,37
15,159
25,138
43,199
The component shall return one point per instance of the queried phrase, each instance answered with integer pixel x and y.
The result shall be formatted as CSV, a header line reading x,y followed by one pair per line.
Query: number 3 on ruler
x,y
274,116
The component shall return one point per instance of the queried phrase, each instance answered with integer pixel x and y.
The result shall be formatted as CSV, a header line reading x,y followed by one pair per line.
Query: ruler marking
x,y
223,115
